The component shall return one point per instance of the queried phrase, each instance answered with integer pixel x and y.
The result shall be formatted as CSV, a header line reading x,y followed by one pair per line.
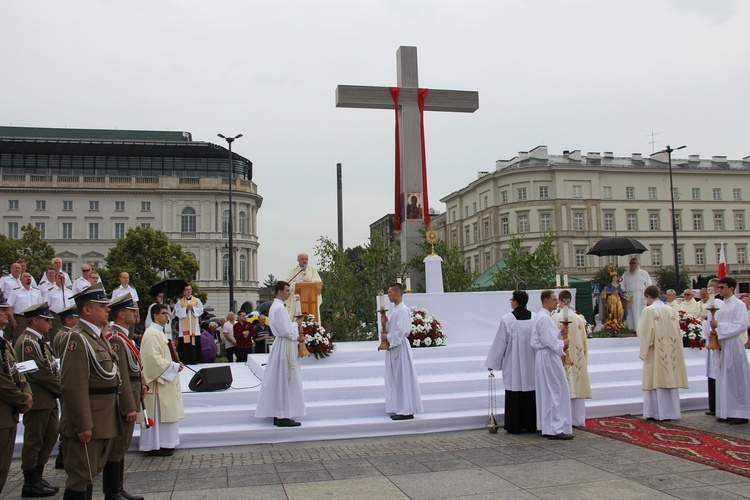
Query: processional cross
x,y
409,101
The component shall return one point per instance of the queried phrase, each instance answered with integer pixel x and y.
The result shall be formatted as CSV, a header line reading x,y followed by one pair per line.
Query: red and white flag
x,y
722,263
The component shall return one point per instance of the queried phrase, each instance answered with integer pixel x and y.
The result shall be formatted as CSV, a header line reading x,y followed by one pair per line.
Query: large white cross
x,y
457,101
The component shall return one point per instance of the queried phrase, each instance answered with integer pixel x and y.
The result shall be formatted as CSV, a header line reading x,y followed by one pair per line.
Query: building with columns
x,y
84,188
584,198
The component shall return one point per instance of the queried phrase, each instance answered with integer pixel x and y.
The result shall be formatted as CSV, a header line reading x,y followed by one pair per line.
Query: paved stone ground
x,y
468,464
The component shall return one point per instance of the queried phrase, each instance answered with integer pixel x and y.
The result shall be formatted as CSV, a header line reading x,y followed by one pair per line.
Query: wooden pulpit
x,y
308,292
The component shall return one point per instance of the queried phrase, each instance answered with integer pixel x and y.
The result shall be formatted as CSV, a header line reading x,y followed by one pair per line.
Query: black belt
x,y
94,391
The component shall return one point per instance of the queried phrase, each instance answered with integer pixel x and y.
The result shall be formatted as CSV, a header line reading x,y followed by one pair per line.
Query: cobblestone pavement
x,y
472,464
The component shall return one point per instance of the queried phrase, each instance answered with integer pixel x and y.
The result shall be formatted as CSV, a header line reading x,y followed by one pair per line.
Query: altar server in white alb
x,y
578,350
552,393
511,352
664,371
281,395
733,372
402,397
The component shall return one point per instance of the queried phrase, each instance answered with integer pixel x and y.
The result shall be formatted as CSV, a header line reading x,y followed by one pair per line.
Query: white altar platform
x,y
345,392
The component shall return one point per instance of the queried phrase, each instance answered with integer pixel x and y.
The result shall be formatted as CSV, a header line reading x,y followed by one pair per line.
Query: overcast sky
x,y
574,74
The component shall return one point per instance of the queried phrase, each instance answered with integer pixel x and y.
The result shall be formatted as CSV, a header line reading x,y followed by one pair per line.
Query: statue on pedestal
x,y
614,301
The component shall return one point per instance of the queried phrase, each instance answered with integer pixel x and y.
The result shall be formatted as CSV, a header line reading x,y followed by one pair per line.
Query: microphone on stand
x,y
301,270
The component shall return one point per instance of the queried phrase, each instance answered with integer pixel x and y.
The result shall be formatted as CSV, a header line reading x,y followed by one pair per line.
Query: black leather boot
x,y
32,488
110,481
40,473
59,460
123,493
74,495
89,492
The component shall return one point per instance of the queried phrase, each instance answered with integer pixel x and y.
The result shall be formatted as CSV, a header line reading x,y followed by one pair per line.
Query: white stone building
x,y
586,198
84,188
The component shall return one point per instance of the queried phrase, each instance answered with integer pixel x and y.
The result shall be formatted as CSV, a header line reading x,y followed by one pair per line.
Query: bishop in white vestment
x,y
634,282
402,396
281,395
664,369
552,393
511,352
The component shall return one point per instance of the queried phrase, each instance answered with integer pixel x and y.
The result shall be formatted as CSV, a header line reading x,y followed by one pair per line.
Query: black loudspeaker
x,y
211,379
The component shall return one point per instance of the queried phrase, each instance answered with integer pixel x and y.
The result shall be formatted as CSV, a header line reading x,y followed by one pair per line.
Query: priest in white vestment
x,y
733,370
163,400
402,396
672,300
189,310
578,350
664,369
302,272
634,282
689,305
552,393
281,395
511,352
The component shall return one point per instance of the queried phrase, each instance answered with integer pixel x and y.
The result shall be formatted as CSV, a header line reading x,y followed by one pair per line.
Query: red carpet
x,y
723,452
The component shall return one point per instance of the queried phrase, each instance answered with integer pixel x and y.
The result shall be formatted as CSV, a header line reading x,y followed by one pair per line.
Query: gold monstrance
x,y
432,237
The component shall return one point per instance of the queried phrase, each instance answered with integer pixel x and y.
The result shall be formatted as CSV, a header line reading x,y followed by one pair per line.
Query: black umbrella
x,y
265,307
617,245
170,287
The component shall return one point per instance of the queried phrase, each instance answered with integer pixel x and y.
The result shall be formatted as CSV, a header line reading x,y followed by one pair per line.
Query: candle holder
x,y
384,344
567,361
713,341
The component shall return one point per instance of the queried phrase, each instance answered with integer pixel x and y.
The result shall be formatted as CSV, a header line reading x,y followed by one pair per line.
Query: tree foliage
x,y
603,278
664,278
456,278
528,271
269,282
147,256
31,247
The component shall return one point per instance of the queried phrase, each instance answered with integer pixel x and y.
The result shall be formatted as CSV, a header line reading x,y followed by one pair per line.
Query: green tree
x,y
527,270
603,276
664,278
147,256
456,278
338,284
31,247
270,282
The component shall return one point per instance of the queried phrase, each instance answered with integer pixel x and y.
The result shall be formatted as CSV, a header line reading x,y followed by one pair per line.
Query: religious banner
x,y
413,206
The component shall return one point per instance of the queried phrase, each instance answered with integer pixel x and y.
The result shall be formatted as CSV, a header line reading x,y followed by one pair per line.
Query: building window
x,y
93,230
453,216
609,221
487,261
578,221
467,240
145,206
718,222
13,205
474,208
476,232
41,205
466,211
145,225
697,222
630,193
679,256
67,267
577,192
67,230
717,194
739,221
476,262
119,206
696,193
119,230
653,221
678,221
607,192
580,258
675,193
504,197
13,230
505,225
225,268
42,227
652,193
741,255
454,238
93,206
187,220
632,221
523,223
225,222
468,264
486,202
242,223
543,192
487,228
243,268
656,256
545,223
67,205
737,194
521,194
700,257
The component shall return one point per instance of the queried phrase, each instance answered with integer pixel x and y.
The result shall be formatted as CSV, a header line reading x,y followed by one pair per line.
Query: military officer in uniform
x,y
15,395
69,319
124,313
39,424
90,383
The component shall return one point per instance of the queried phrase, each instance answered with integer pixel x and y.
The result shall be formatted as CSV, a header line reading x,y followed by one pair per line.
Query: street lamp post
x,y
230,140
669,151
